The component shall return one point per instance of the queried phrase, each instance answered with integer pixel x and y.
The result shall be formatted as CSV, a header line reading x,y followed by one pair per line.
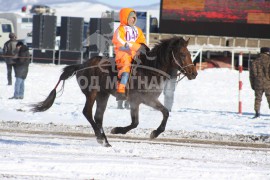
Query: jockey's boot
x,y
120,95
257,115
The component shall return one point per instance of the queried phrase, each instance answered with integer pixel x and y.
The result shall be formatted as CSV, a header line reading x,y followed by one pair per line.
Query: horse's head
x,y
181,59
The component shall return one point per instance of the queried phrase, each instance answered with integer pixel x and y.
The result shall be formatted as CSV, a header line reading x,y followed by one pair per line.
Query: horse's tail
x,y
68,72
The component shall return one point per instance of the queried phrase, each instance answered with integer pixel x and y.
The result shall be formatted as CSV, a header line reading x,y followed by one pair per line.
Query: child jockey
x,y
127,40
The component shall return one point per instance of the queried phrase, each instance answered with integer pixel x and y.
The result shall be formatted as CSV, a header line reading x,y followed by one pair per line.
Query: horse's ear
x,y
145,46
187,41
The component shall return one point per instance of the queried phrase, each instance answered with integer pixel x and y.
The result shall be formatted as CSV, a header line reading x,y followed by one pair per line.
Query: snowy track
x,y
131,138
170,136
41,156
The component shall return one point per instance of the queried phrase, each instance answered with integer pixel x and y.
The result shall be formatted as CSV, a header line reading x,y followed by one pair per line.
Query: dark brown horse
x,y
97,79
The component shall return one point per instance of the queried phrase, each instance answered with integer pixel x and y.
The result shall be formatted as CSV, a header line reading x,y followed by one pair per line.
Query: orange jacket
x,y
133,36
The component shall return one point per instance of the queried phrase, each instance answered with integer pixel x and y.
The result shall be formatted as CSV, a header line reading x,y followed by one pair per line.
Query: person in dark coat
x,y
9,53
260,78
21,69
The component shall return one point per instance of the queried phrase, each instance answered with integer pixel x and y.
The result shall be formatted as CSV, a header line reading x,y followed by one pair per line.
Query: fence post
x,y
110,51
232,59
148,21
240,69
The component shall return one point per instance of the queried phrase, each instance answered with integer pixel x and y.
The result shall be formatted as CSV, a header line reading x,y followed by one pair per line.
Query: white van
x,y
22,23
6,27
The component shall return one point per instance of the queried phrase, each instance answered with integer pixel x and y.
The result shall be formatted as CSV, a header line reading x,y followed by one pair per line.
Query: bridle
x,y
182,68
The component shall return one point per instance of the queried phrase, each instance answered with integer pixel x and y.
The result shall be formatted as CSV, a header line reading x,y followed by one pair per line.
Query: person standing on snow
x,y
127,41
9,54
260,78
21,70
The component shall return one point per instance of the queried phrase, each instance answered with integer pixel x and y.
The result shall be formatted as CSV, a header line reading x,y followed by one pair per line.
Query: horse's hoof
x,y
114,131
154,134
117,130
107,145
100,141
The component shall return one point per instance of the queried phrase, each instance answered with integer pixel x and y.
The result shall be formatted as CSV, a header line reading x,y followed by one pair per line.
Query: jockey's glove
x,y
125,47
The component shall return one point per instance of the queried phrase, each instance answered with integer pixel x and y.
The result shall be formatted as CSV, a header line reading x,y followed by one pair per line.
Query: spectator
x,y
9,53
169,89
21,70
260,78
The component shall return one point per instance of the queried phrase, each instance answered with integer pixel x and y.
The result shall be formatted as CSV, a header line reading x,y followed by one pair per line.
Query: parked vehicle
x,y
22,23
6,28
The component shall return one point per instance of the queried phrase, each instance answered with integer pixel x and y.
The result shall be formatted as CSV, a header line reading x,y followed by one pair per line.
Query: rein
x,y
182,68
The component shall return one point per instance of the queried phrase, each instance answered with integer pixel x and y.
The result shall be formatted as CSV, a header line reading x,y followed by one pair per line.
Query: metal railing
x,y
200,40
199,44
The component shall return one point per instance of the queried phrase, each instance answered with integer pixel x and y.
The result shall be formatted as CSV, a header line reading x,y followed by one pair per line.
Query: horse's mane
x,y
160,55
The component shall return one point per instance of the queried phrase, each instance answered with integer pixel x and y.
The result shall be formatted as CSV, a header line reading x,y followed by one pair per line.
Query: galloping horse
x,y
97,79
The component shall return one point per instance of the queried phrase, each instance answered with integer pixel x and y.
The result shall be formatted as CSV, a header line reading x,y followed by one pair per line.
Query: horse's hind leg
x,y
101,100
87,111
158,106
134,112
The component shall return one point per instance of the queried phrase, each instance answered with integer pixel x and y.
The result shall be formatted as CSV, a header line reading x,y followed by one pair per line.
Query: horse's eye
x,y
183,56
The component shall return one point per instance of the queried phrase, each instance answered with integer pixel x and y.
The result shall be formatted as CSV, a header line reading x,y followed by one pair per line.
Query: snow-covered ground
x,y
25,156
204,108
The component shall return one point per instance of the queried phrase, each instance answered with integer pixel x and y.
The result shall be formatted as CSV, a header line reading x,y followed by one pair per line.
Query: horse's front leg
x,y
158,106
101,100
134,112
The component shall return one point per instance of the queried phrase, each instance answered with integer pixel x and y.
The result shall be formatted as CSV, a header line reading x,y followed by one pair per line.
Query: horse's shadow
x,y
18,142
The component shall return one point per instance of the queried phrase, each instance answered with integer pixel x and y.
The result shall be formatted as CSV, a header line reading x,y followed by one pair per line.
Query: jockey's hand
x,y
125,47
